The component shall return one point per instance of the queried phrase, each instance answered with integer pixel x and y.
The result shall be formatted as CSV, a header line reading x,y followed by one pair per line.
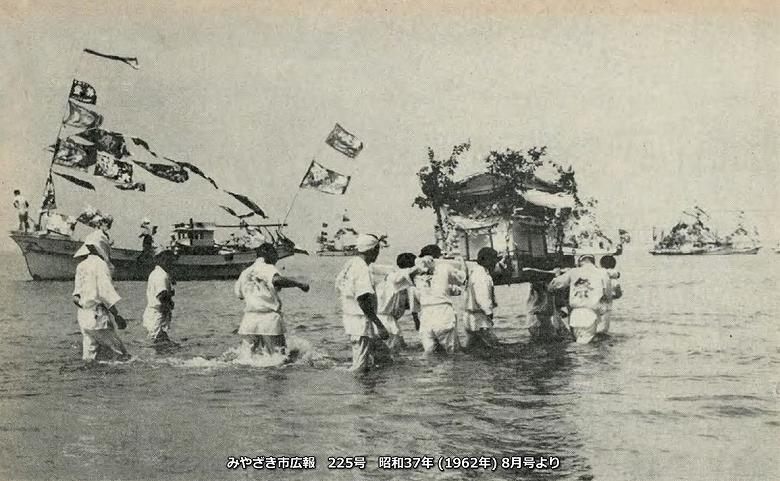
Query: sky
x,y
657,107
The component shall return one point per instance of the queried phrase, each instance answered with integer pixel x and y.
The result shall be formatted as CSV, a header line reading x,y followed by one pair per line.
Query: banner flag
x,y
49,197
344,142
83,92
172,173
113,169
77,181
112,143
324,180
81,117
131,61
247,202
139,186
70,154
235,214
195,170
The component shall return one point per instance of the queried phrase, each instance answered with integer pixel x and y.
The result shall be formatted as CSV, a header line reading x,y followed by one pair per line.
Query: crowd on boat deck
x,y
434,294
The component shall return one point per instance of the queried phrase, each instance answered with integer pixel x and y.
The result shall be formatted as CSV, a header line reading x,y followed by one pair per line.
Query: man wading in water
x,y
96,298
359,307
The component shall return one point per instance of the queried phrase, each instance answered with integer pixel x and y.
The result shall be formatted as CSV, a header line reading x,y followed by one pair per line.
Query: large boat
x,y
694,237
49,254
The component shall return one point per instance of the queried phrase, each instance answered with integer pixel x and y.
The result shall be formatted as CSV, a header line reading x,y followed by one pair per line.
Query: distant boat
x,y
699,239
342,242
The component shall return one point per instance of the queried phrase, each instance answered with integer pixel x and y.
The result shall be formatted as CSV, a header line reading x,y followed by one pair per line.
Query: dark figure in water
x,y
547,310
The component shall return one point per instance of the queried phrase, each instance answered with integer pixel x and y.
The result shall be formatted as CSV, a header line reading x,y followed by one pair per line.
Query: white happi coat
x,y
156,318
96,292
263,310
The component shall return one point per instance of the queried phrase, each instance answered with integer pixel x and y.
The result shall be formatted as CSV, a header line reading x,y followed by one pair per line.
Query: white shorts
x,y
583,324
156,322
438,326
92,339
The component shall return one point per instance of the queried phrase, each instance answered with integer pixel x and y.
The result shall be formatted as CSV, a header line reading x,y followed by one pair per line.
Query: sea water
x,y
686,387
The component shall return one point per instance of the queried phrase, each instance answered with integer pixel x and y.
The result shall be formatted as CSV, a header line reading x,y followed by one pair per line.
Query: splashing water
x,y
300,352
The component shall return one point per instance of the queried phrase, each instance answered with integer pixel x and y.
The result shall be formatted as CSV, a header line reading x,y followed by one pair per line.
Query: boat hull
x,y
336,254
719,251
51,258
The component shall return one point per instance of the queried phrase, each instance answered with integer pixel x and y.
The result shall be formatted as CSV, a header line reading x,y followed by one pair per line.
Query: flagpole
x,y
59,132
292,203
295,197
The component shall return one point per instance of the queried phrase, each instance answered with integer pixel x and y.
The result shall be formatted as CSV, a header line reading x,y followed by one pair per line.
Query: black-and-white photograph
x,y
436,240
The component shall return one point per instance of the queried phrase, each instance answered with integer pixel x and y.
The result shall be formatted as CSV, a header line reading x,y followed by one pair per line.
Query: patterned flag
x,y
70,154
81,117
112,143
139,186
49,197
83,92
131,61
324,180
173,173
77,181
195,170
344,142
113,169
247,202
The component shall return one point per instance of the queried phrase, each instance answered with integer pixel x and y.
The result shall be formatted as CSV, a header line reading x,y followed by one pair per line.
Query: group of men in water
x,y
423,288
375,300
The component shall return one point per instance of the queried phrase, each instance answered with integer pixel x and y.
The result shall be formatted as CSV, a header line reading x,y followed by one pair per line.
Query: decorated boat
x,y
341,242
197,256
693,235
88,158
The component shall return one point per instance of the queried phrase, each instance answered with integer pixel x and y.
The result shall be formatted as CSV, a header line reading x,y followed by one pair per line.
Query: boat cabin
x,y
194,237
523,236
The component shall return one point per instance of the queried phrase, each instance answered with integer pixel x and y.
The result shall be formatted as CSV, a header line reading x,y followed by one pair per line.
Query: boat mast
x,y
50,178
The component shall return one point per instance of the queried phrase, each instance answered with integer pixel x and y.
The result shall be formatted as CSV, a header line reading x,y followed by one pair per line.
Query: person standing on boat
x,y
159,298
262,327
359,307
96,299
147,241
587,287
481,301
438,321
22,209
